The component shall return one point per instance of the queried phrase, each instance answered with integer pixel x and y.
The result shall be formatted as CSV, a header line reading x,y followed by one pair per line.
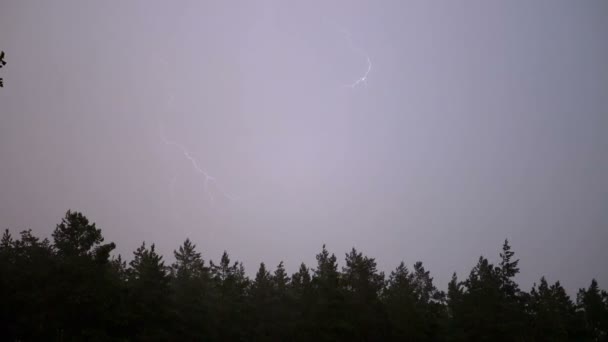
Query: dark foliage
x,y
2,63
70,289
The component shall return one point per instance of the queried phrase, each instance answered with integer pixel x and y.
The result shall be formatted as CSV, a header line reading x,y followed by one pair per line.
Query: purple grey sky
x,y
478,121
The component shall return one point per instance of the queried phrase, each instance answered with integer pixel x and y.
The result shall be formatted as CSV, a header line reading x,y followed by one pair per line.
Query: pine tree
x,y
282,305
479,317
301,280
149,295
35,307
281,279
119,268
400,302
86,285
594,306
188,262
75,236
191,293
454,301
303,303
492,305
8,305
229,305
508,270
553,314
329,309
363,285
261,296
414,305
512,304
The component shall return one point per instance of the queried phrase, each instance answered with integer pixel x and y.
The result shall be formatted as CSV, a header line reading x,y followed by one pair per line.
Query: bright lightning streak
x,y
362,79
197,168
210,184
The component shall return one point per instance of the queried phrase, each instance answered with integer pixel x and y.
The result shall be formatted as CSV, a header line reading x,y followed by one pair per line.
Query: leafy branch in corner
x,y
2,63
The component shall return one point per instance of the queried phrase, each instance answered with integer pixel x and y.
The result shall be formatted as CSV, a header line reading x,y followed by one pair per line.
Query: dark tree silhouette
x,y
328,310
192,293
229,304
593,302
553,315
72,289
415,306
363,285
2,64
148,290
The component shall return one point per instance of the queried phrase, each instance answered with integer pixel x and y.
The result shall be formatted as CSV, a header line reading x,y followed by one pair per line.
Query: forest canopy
x,y
71,288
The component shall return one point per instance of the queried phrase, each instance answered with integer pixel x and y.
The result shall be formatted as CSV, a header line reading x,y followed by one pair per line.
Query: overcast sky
x,y
465,123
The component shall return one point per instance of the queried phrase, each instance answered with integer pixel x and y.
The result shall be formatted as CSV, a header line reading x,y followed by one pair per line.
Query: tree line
x,y
71,288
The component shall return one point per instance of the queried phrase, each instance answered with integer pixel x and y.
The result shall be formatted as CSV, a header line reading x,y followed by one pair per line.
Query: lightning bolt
x,y
207,178
363,79
211,186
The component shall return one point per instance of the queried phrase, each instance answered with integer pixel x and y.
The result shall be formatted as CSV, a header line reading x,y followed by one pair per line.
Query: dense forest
x,y
73,289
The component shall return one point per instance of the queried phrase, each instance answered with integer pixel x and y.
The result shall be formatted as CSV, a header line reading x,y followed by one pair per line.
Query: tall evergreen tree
x,y
592,301
492,304
553,314
303,304
149,296
85,278
363,285
454,301
512,304
414,305
75,236
27,263
229,303
282,305
329,310
261,297
479,317
301,281
281,279
8,307
191,293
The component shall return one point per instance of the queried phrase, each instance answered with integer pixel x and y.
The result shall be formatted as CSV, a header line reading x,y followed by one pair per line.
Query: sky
x,y
411,130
